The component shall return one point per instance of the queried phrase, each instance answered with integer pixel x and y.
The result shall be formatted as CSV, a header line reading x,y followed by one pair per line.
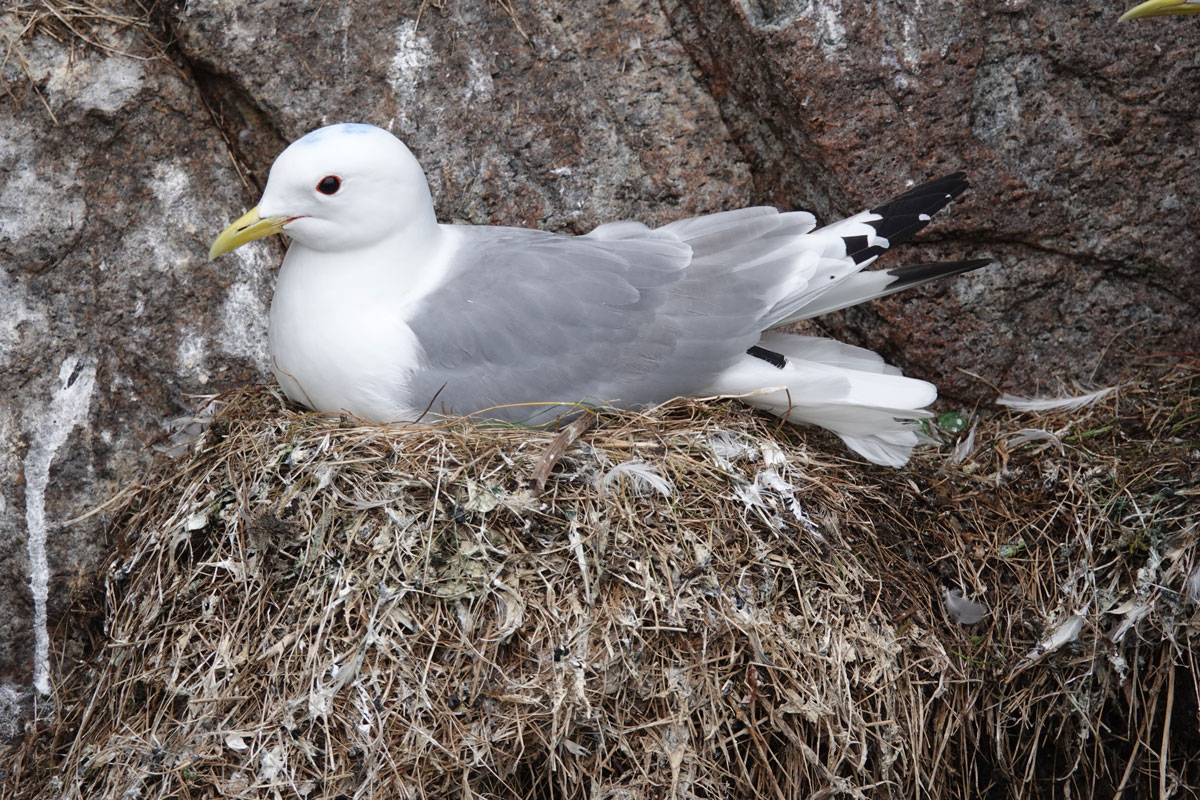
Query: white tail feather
x,y
826,351
845,389
860,287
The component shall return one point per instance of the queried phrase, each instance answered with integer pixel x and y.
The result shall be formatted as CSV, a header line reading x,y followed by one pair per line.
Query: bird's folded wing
x,y
628,314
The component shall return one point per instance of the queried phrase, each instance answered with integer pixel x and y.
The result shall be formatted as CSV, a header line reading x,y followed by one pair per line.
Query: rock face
x,y
128,144
1079,136
109,318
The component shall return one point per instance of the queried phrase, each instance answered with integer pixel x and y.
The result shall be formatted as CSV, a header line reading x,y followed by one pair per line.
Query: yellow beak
x,y
247,228
1157,8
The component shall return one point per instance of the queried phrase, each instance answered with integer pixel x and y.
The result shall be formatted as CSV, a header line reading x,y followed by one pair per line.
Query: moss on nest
x,y
696,604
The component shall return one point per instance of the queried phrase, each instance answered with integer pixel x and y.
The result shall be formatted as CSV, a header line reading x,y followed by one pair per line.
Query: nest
x,y
697,602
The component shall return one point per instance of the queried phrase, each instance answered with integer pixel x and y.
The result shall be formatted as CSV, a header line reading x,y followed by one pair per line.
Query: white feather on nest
x,y
1064,403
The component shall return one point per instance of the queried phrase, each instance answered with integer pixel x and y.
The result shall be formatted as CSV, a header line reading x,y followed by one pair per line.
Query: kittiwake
x,y
383,313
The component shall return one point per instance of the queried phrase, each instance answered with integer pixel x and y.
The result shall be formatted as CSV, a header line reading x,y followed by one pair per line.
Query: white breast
x,y
338,338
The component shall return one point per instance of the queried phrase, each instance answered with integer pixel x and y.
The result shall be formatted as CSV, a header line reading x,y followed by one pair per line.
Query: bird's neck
x,y
402,265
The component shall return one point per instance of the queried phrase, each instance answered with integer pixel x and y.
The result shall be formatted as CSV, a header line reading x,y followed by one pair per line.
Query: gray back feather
x,y
623,316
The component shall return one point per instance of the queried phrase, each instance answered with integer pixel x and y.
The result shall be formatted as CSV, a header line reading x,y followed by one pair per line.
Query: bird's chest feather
x,y
340,344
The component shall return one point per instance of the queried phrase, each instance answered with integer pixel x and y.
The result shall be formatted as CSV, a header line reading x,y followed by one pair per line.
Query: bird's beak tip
x,y
1159,8
246,228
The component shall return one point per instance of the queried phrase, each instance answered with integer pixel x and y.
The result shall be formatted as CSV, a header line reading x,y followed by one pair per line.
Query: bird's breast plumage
x,y
339,342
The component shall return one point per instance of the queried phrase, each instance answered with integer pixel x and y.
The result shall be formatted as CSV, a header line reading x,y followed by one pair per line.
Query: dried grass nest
x,y
698,604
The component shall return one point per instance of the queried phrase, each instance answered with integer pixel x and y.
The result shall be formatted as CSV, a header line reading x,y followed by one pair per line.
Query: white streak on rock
x,y
833,33
190,356
104,83
12,699
68,408
37,205
413,54
170,185
244,313
479,79
13,311
244,320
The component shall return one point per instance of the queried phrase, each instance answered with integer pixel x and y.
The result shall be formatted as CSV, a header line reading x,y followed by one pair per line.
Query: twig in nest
x,y
554,452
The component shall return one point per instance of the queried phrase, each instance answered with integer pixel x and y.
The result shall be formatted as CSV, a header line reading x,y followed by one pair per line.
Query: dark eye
x,y
329,184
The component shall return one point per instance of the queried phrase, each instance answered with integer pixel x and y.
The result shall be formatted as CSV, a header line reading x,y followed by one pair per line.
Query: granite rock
x,y
1079,136
127,146
110,322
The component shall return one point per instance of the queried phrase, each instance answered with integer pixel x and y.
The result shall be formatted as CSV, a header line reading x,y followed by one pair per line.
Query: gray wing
x,y
623,316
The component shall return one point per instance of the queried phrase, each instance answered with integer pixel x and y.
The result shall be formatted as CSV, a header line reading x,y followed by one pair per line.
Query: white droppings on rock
x,y
49,428
1170,203
170,185
899,78
146,245
910,47
102,83
240,330
190,356
827,14
15,309
244,325
12,700
413,54
479,79
38,205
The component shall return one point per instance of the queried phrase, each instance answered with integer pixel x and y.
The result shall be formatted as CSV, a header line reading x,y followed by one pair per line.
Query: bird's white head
x,y
339,188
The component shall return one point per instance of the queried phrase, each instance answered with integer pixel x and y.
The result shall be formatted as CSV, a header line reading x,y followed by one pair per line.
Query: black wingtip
x,y
917,274
914,200
906,214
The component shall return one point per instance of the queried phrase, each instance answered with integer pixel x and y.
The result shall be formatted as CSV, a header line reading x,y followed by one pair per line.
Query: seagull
x,y
1158,8
382,313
